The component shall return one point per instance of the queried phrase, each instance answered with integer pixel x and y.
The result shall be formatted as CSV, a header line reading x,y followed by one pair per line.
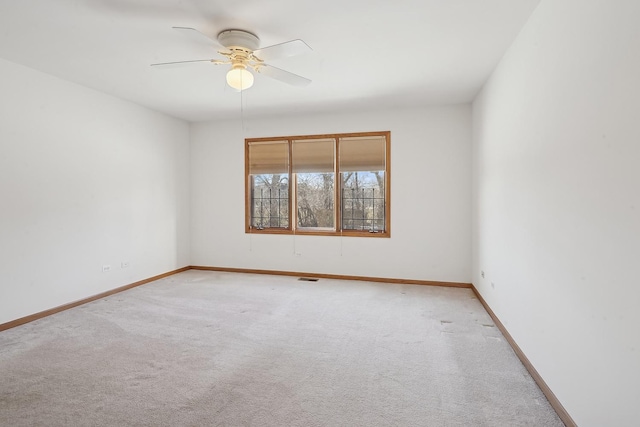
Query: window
x,y
319,184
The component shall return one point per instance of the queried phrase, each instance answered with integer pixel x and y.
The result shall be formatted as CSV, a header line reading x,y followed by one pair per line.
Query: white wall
x,y
430,208
556,151
85,180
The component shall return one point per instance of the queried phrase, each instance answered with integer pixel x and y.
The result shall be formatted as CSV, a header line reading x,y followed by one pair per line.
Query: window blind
x,y
271,157
313,155
364,153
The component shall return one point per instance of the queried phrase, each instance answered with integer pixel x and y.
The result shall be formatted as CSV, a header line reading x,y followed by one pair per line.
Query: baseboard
x,y
551,397
336,276
40,315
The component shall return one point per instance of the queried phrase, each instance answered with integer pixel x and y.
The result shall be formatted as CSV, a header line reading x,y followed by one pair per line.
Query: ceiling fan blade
x,y
282,50
180,63
196,35
282,75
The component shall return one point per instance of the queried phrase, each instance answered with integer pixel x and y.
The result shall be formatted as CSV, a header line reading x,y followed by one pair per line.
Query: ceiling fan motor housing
x,y
239,39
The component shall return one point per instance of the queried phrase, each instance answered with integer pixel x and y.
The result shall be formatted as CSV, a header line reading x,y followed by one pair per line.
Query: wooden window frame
x,y
338,184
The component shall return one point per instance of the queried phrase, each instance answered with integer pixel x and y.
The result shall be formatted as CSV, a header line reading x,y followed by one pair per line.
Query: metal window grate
x,y
363,209
270,208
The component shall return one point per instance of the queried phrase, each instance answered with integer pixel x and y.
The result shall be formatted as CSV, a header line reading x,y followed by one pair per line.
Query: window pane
x,y
363,162
269,201
315,193
363,201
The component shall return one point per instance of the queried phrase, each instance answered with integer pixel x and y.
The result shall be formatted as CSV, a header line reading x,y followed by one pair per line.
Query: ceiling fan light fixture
x,y
239,77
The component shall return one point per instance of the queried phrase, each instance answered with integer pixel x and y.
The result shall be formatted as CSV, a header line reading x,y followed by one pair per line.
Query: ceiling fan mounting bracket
x,y
239,40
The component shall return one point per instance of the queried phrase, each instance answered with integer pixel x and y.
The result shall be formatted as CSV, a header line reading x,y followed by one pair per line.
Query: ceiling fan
x,y
241,49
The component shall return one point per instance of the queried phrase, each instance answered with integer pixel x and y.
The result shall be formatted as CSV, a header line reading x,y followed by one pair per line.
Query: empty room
x,y
295,213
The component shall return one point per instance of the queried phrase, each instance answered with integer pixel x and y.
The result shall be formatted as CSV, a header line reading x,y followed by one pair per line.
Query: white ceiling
x,y
366,53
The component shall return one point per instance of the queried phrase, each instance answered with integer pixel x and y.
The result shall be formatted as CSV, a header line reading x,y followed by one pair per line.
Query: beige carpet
x,y
223,349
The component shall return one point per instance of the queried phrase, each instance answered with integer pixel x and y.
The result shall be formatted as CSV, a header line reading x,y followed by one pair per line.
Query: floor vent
x,y
307,279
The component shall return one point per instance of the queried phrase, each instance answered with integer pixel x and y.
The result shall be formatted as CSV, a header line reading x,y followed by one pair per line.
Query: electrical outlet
x,y
493,286
106,267
482,274
124,264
